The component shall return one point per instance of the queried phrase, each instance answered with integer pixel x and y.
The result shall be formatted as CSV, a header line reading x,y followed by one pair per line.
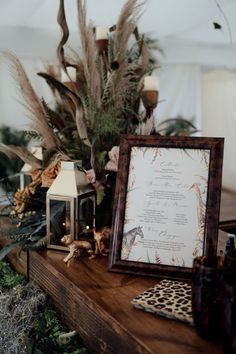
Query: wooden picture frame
x,y
166,205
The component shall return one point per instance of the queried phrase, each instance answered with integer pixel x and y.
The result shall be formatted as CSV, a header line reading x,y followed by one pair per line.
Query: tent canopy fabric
x,y
184,28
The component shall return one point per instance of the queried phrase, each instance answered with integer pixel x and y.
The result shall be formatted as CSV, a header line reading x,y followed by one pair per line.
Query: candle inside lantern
x,y
101,33
150,83
71,76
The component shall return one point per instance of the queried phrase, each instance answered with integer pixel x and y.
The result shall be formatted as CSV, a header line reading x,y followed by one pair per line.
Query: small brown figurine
x,y
76,247
101,238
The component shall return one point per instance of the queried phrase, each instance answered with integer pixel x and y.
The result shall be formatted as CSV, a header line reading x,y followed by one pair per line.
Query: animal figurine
x,y
101,238
76,247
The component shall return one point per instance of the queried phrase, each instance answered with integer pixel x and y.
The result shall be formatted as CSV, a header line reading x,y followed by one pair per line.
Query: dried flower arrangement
x,y
104,101
101,101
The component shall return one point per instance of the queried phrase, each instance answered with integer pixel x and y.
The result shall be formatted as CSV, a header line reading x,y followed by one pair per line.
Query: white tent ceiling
x,y
184,28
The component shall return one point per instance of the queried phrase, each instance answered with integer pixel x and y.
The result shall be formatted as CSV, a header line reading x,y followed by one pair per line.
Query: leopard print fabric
x,y
169,298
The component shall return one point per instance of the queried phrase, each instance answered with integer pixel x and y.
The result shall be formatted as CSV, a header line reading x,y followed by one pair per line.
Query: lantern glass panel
x,y
86,213
60,220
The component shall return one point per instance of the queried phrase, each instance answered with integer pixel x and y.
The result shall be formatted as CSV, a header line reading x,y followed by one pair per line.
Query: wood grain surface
x,y
96,303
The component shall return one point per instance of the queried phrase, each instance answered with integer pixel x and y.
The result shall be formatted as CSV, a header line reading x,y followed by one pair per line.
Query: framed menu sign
x,y
166,206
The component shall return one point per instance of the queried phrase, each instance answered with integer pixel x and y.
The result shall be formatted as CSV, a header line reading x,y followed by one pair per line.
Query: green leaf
x,y
101,156
8,277
100,196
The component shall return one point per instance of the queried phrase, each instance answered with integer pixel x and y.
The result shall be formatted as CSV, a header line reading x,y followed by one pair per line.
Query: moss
x,y
50,335
8,277
45,332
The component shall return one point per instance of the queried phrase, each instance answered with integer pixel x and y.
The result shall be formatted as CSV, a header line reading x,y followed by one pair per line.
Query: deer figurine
x,y
101,238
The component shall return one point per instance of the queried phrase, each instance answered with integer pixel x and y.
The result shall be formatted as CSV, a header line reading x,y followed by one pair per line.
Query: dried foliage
x,y
10,166
61,19
28,228
18,310
104,102
89,55
28,324
22,152
32,102
125,27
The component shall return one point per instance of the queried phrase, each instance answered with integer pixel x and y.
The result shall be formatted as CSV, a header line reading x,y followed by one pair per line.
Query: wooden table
x,y
96,303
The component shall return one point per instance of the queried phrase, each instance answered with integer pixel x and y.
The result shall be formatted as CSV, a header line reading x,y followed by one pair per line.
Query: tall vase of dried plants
x,y
92,110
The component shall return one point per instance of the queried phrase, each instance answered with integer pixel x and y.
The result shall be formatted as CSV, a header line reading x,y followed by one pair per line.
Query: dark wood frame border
x,y
215,145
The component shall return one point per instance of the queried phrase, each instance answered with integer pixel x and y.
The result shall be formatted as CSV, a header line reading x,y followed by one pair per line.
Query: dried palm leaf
x,y
32,102
52,70
80,122
22,152
62,90
55,83
47,75
56,120
61,19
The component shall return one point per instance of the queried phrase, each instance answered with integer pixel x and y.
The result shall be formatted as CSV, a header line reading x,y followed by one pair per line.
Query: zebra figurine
x,y
128,241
